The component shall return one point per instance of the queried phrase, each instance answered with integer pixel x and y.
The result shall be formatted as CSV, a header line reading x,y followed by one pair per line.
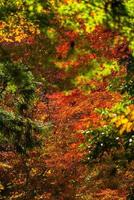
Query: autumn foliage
x,y
66,110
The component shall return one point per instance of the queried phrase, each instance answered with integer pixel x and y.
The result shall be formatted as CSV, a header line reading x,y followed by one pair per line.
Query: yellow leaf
x,y
49,172
3,165
113,120
127,111
124,121
129,127
33,172
1,187
118,123
123,129
132,116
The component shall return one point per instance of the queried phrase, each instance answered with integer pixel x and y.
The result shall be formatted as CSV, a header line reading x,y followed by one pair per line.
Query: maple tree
x,y
66,95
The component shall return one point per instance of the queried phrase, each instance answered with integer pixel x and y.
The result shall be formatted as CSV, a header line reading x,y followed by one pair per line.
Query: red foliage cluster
x,y
71,35
62,156
30,40
98,85
62,49
63,160
84,59
77,109
102,40
66,40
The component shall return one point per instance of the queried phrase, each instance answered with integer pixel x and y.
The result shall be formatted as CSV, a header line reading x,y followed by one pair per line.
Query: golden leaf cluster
x,y
16,30
125,121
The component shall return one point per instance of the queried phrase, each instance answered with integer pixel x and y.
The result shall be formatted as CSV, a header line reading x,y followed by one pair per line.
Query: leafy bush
x,y
101,140
119,134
